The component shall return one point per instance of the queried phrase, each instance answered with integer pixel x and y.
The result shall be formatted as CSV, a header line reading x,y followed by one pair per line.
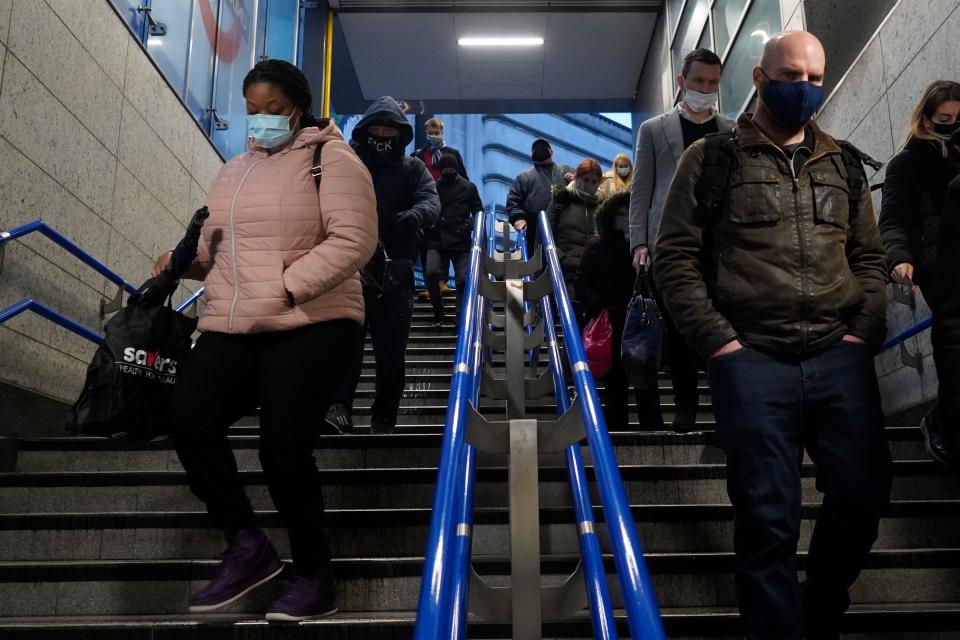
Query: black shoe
x,y
685,419
936,440
382,426
439,319
338,420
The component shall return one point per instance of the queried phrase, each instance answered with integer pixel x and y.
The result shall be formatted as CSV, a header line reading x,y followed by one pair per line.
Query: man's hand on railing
x,y
641,258
162,263
520,224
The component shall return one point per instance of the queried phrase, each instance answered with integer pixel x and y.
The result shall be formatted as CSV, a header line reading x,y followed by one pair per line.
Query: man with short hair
x,y
660,143
770,263
531,190
431,152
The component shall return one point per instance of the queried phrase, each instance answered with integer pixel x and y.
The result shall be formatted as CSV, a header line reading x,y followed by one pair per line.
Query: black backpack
x,y
720,158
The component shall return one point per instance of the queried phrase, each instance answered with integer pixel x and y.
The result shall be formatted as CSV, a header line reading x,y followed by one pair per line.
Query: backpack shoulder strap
x,y
719,160
316,170
856,175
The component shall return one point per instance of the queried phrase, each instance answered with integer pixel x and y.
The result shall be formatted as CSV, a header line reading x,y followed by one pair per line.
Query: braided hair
x,y
291,81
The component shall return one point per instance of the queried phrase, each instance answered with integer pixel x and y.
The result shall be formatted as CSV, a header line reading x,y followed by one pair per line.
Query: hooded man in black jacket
x,y
407,204
449,240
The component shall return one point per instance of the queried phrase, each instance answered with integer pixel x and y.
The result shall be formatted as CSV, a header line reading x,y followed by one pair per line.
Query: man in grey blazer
x,y
660,143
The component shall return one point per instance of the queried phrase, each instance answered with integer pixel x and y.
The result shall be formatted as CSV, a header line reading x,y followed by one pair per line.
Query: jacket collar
x,y
750,135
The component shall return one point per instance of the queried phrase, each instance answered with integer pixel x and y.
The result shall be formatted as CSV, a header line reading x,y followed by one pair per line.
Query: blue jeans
x,y
769,408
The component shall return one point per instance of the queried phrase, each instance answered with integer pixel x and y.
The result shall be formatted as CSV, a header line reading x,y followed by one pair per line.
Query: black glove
x,y
406,221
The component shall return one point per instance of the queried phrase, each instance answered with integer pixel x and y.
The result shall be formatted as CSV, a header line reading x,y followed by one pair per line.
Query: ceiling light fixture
x,y
501,42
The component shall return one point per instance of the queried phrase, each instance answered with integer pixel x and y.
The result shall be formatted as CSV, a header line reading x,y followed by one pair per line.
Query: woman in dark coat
x,y
605,280
572,215
914,193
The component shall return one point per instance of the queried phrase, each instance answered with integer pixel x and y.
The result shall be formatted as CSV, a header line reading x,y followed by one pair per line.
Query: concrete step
x,y
666,528
401,449
910,621
392,584
89,492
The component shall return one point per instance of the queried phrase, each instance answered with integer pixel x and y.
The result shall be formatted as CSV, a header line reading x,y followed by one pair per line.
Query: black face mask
x,y
383,145
540,154
946,128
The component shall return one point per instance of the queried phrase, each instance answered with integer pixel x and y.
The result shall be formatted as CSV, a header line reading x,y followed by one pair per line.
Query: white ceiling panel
x,y
595,55
415,56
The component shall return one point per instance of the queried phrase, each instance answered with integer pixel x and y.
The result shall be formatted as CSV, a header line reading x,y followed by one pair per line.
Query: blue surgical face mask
x,y
792,103
269,131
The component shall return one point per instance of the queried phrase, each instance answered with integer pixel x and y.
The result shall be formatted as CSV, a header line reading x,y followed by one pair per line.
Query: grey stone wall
x,y
916,44
94,142
844,27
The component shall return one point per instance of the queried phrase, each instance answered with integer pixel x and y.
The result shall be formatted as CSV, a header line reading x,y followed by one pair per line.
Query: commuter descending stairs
x,y
103,541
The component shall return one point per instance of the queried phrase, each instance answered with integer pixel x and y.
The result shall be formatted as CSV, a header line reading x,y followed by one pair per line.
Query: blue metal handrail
x,y
909,332
643,615
439,572
28,304
41,227
598,593
189,301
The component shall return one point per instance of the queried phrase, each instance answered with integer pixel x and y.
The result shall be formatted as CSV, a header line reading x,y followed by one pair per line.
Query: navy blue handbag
x,y
642,345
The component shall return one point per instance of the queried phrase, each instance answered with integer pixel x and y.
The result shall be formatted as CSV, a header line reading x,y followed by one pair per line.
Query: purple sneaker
x,y
305,599
248,562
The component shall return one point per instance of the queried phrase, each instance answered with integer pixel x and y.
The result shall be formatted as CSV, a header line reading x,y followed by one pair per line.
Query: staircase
x,y
103,541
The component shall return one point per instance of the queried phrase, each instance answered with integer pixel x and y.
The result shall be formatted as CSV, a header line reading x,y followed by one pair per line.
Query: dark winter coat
x,y
531,192
573,222
407,201
459,201
914,189
605,276
786,266
948,255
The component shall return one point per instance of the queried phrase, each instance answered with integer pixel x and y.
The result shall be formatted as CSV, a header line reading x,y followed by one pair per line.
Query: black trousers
x,y
616,395
682,360
945,339
768,409
438,264
388,319
292,375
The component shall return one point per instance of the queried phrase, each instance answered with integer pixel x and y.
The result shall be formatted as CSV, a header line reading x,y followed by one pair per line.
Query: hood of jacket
x,y
569,194
385,111
608,211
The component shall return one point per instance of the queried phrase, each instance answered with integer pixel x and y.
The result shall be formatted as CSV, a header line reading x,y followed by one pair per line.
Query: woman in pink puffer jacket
x,y
279,259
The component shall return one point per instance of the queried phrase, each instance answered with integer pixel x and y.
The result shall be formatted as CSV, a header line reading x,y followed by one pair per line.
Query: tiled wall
x,y
93,141
916,44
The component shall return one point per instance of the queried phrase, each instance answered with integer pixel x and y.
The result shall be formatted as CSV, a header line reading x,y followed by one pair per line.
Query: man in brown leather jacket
x,y
780,287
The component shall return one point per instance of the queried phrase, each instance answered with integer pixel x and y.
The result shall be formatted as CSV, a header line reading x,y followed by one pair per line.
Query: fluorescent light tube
x,y
501,42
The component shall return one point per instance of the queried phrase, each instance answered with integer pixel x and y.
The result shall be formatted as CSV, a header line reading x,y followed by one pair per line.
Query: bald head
x,y
793,56
789,82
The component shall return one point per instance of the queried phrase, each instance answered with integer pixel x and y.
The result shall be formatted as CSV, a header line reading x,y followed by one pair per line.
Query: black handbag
x,y
134,370
642,346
